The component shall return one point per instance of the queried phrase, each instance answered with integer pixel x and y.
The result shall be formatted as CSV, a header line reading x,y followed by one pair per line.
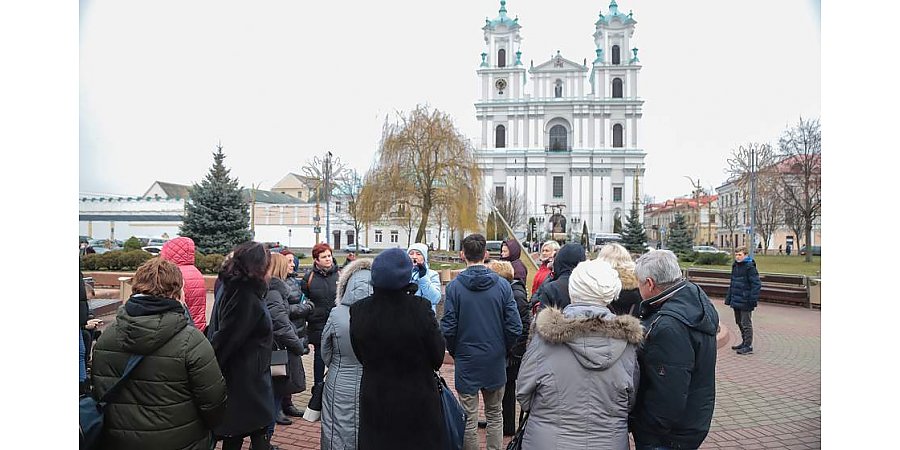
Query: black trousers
x,y
744,322
258,440
509,398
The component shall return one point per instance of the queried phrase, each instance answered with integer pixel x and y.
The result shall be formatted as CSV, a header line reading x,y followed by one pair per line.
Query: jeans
x,y
318,365
493,414
743,321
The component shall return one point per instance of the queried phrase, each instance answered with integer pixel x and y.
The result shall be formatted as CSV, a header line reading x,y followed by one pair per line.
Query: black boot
x,y
281,419
292,411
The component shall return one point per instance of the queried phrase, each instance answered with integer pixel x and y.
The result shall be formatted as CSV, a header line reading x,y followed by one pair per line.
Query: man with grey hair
x,y
677,391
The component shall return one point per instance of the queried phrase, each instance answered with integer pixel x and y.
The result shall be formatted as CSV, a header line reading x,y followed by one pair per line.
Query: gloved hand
x,y
422,270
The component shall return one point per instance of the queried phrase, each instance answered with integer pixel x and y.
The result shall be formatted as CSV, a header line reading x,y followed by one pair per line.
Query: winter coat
x,y
430,284
556,291
521,297
581,355
320,286
174,396
285,337
629,301
395,336
520,272
181,252
299,309
677,393
481,324
340,404
241,335
84,309
542,274
743,291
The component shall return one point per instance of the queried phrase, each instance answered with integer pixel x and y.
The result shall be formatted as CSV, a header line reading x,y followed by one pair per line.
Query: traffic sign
x,y
317,229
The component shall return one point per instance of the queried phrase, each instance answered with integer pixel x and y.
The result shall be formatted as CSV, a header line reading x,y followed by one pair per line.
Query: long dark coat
x,y
285,337
395,336
241,335
321,288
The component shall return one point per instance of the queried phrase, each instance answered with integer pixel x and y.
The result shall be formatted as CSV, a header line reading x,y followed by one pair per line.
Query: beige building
x,y
699,213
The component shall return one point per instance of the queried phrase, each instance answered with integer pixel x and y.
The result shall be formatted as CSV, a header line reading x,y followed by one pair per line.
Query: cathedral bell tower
x,y
501,74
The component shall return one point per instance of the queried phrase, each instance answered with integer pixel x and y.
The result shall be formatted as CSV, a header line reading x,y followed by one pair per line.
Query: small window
x,y
350,237
558,138
617,194
617,135
557,187
498,192
615,54
617,88
557,89
337,207
501,58
501,136
395,236
378,237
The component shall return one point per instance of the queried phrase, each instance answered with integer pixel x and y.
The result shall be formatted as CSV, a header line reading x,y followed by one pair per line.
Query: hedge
x,y
713,259
132,259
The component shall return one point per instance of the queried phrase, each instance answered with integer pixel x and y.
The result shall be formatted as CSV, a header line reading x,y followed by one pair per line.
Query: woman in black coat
x,y
320,285
241,335
395,336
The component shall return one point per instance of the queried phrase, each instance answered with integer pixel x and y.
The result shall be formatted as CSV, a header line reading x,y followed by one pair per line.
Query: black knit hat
x,y
392,269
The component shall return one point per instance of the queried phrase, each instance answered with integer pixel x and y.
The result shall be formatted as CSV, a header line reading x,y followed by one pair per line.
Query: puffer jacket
x,y
340,403
175,395
743,291
542,275
556,291
181,252
320,286
629,300
285,337
299,309
581,354
429,284
677,394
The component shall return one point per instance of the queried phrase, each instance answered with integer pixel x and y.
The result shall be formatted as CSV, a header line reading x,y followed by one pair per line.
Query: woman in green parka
x,y
176,394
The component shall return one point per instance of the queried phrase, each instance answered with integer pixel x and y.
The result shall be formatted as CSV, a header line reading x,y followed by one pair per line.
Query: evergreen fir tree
x,y
585,238
680,240
216,216
634,238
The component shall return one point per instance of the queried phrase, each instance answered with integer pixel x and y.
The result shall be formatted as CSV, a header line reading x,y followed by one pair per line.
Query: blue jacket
x,y
430,284
480,324
743,292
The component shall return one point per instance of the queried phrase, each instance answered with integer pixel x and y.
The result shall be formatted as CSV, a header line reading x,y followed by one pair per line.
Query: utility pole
x,y
697,189
253,189
752,247
328,198
316,227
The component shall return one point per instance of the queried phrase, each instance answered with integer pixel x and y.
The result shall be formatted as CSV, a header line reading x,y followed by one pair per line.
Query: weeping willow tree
x,y
425,163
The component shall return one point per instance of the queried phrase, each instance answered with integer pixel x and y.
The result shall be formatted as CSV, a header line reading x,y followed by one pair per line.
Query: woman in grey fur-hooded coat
x,y
579,375
340,402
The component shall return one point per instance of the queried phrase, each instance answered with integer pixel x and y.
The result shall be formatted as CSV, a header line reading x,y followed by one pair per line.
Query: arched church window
x,y
500,140
617,135
557,89
558,137
617,88
615,54
501,58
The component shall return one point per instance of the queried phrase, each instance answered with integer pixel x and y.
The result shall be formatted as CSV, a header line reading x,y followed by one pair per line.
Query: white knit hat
x,y
594,282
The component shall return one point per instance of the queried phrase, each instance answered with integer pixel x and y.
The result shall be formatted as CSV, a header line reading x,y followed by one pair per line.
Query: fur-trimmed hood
x,y
628,278
357,275
596,336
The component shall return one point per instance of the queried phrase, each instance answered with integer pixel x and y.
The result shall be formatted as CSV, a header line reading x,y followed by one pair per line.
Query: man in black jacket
x,y
677,391
743,295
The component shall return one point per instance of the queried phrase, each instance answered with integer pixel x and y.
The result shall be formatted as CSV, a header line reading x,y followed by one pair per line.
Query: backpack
x,y
90,411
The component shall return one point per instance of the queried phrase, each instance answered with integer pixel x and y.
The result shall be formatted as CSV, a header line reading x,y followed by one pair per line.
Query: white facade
x,y
562,122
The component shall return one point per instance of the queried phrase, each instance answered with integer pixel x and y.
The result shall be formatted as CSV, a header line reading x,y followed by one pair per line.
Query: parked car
x,y
356,248
708,249
816,250
153,249
493,248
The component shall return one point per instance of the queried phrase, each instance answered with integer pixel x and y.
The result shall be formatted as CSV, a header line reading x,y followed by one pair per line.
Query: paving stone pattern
x,y
769,399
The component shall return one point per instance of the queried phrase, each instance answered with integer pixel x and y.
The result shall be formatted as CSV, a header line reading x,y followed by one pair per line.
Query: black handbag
x,y
516,442
279,363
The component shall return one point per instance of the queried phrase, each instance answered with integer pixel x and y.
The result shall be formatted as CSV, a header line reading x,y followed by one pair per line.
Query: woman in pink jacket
x,y
181,252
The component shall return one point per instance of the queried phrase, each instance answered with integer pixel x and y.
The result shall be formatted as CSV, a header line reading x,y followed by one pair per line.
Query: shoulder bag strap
x,y
133,361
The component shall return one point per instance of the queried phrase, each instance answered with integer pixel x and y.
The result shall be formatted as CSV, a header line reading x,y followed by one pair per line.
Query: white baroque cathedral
x,y
562,134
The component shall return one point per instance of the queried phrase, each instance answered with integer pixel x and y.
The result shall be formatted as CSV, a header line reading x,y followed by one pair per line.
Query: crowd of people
x,y
601,348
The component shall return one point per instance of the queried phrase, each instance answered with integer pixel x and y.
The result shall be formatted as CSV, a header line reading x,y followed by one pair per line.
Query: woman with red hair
x,y
320,286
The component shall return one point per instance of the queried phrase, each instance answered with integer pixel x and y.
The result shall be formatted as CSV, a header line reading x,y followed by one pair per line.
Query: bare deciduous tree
x,y
511,205
769,209
800,184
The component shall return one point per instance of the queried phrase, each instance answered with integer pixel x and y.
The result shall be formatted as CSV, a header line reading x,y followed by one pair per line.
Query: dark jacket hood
x,y
515,250
686,302
596,336
145,323
478,278
567,258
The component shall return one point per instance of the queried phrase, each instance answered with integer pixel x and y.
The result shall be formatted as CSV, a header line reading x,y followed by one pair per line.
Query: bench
x,y
776,288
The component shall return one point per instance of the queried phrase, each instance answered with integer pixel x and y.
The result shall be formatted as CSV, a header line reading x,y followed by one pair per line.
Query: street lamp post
x,y
328,198
752,246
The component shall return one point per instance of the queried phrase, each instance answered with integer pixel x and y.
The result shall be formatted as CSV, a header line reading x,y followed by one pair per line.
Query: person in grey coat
x,y
340,402
579,375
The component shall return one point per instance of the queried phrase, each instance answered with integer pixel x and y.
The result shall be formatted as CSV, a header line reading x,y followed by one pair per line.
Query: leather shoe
x,y
736,347
281,419
745,351
292,411
482,424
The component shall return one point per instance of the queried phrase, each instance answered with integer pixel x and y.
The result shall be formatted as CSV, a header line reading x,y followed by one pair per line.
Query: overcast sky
x,y
280,81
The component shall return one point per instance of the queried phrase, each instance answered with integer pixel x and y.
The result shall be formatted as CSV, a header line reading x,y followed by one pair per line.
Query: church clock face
x,y
500,84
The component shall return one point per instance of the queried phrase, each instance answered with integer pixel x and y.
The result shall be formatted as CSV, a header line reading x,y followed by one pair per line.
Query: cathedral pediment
x,y
559,64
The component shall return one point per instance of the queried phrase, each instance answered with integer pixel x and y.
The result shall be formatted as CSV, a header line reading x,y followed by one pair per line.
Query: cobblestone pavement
x,y
770,399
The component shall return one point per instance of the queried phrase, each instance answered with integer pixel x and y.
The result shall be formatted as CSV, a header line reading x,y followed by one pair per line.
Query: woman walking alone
x,y
241,336
395,336
340,401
